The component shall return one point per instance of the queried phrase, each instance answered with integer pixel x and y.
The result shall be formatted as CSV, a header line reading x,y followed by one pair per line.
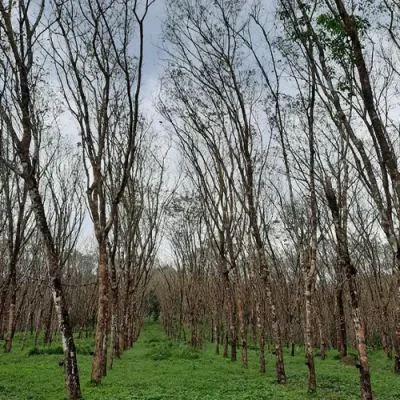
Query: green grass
x,y
158,369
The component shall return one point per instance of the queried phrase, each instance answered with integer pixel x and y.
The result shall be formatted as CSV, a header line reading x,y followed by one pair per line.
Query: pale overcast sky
x,y
152,65
151,73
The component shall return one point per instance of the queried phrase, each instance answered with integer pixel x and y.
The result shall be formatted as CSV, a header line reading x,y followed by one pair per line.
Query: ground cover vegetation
x,y
158,368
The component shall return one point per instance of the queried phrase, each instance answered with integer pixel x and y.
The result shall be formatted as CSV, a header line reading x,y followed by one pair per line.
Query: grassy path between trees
x,y
158,369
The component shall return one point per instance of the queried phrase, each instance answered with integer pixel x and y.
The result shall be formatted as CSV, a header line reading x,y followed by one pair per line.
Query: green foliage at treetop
x,y
334,36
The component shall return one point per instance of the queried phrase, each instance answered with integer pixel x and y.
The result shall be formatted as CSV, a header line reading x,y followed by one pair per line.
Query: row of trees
x,y
73,135
288,225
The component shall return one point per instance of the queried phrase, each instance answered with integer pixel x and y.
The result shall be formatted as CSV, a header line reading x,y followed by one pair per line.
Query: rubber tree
x,y
98,51
22,110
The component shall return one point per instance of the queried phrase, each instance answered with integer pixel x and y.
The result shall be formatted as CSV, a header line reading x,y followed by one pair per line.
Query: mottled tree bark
x,y
21,46
365,379
382,138
53,262
345,265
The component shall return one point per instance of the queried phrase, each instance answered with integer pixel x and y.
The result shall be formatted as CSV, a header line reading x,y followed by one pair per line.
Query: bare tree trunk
x,y
226,341
71,366
232,327
99,358
321,337
114,343
365,379
242,329
310,259
70,362
104,349
38,327
309,290
49,319
280,366
386,340
397,330
261,339
346,266
216,332
386,148
341,322
29,317
13,306
3,299
124,323
264,272
52,257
